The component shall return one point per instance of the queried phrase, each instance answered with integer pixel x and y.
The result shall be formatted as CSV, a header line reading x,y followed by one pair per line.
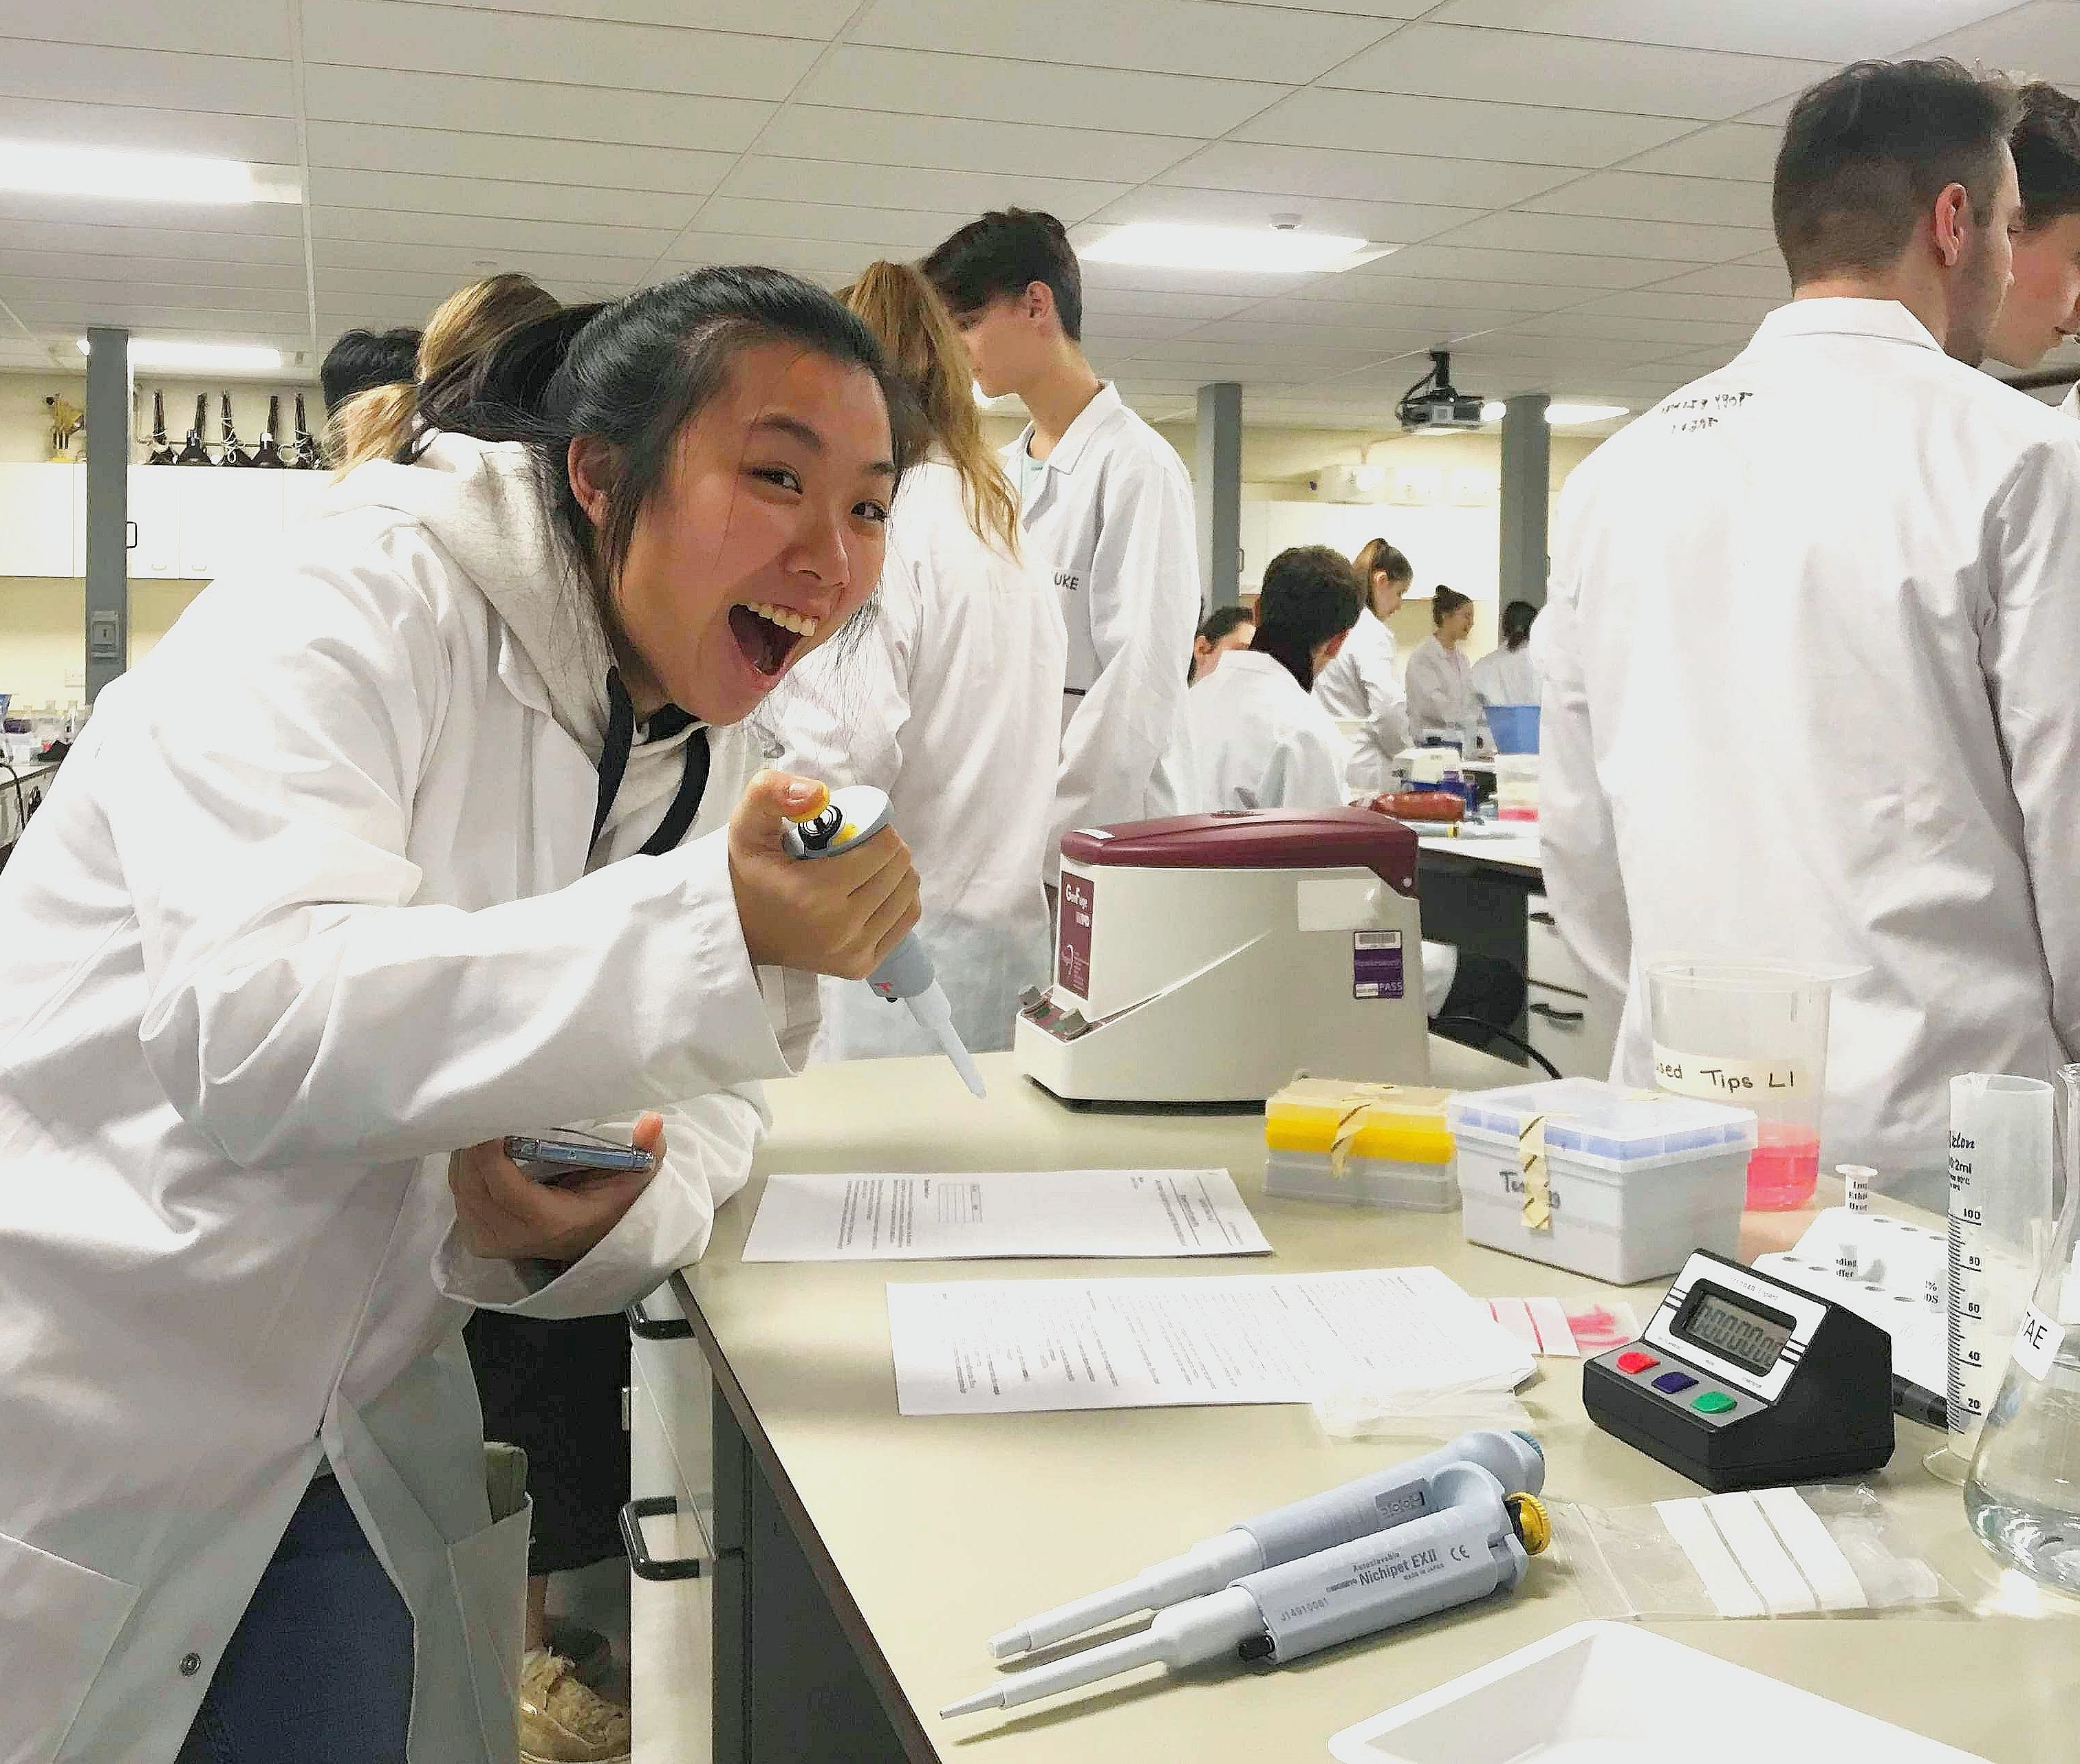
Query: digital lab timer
x,y
1743,1382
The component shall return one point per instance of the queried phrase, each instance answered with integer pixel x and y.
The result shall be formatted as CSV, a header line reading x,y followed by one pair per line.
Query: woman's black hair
x,y
1311,594
634,373
1448,601
1517,618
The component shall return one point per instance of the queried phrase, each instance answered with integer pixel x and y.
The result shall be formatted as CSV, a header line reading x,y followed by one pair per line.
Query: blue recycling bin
x,y
1515,728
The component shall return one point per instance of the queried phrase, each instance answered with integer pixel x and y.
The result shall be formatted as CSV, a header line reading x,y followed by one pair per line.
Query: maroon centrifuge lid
x,y
1256,839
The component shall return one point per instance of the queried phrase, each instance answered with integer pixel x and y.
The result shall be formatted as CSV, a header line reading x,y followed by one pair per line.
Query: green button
x,y
1712,1402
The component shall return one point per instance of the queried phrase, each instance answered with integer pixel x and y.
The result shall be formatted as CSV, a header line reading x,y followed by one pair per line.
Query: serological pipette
x,y
850,817
1358,1509
1477,1540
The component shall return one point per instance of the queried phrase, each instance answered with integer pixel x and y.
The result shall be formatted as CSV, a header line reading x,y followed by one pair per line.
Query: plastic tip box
x,y
1360,1144
1634,1180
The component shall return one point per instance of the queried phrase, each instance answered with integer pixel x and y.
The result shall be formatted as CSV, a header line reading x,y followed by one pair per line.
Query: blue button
x,y
1674,1383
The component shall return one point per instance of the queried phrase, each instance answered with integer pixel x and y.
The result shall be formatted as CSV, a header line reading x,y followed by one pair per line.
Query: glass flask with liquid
x,y
2023,1496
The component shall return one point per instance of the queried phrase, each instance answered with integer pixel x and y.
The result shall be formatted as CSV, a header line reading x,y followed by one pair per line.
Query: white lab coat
x,y
1440,692
1362,683
950,700
1507,676
307,910
1812,669
1112,515
1259,742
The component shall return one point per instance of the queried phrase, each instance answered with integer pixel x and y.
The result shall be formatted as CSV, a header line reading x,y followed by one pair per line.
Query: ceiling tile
x,y
419,193
63,266
1362,177
1758,281
140,311
1742,150
1654,302
965,193
271,139
34,69
1540,269
144,244
529,108
1387,332
281,220
558,51
1152,36
886,138
462,263
2041,40
1184,308
1837,30
452,153
1033,91
1384,223
1521,232
906,229
240,27
1374,291
1618,328
1448,127
1642,196
1516,67
818,18
70,298
833,260
489,234
1141,279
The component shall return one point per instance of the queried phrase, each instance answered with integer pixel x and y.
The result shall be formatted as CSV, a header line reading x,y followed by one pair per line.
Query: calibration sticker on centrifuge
x,y
1376,964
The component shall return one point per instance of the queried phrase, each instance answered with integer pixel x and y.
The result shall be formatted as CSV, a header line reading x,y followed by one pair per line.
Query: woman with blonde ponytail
x,y
383,422
950,700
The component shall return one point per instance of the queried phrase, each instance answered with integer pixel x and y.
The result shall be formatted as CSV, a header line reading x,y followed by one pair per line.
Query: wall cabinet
x,y
187,523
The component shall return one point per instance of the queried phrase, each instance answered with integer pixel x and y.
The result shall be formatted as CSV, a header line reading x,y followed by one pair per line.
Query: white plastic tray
x,y
1605,1693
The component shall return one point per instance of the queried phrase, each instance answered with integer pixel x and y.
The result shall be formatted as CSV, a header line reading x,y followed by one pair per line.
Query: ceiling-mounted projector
x,y
1432,402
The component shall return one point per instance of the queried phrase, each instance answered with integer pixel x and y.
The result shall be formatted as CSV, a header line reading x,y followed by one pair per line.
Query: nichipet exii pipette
x,y
1358,1509
851,816
1473,1538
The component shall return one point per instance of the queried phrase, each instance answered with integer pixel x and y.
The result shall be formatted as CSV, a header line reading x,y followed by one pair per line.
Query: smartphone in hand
x,y
555,1157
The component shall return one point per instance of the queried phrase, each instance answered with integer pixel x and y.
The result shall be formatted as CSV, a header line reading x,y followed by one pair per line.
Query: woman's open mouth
x,y
767,634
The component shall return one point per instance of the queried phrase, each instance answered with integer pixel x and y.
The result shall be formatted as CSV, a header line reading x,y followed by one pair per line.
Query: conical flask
x,y
2023,1496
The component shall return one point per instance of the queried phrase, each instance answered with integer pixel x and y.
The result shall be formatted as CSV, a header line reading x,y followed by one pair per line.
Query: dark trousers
x,y
552,1387
319,1669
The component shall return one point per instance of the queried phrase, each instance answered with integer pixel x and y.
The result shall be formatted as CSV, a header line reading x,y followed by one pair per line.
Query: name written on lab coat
x,y
1690,1074
1687,416
1069,580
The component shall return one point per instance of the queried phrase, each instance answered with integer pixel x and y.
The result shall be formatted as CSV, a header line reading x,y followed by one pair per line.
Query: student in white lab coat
x,y
1440,679
1812,658
1363,683
950,700
1106,503
1259,737
279,976
2042,309
1508,674
1221,632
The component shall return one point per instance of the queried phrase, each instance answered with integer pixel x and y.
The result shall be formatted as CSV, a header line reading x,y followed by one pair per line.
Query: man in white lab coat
x,y
1106,503
1812,656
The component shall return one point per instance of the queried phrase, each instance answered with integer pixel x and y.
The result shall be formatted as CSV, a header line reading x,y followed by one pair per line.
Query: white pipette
x,y
1362,1508
850,816
1476,1539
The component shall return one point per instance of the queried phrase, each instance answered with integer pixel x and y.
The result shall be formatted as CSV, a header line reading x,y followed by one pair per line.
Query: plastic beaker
x,y
1752,1033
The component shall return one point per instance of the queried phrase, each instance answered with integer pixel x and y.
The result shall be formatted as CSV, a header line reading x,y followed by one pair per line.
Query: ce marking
x,y
1460,1553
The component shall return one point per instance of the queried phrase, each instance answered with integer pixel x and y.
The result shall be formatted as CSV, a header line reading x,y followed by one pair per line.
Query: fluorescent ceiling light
x,y
1244,250
1563,416
53,169
232,357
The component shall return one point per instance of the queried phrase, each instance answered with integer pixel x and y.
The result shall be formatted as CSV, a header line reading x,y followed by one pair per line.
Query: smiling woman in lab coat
x,y
1362,685
1440,679
361,869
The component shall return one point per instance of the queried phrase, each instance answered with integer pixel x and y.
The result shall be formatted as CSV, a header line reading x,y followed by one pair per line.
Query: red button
x,y
1637,1361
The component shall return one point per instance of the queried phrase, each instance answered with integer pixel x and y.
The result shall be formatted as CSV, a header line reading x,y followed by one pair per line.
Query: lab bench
x,y
35,780
1488,896
847,1562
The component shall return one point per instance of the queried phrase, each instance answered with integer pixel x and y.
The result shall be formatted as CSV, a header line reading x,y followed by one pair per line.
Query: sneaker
x,y
563,1720
590,1653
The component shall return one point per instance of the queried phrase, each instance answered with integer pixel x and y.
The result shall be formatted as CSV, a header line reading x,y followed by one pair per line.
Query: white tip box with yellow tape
x,y
1618,1184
